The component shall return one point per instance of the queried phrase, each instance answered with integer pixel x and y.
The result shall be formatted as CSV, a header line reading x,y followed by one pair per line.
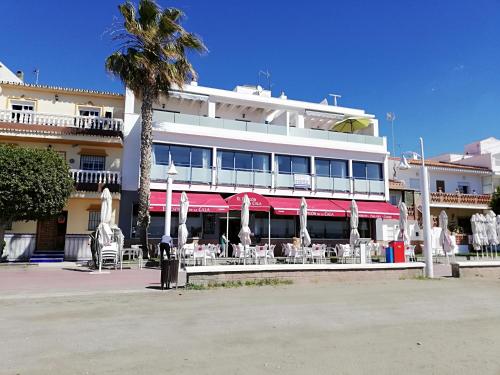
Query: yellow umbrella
x,y
350,125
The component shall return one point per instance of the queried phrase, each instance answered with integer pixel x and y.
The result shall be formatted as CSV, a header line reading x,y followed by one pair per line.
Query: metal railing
x,y
369,187
160,117
80,122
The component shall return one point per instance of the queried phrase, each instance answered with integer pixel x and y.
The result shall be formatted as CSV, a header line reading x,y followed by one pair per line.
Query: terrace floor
x,y
55,320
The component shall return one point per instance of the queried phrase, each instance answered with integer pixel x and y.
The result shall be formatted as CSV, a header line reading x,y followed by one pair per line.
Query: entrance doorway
x,y
51,233
234,229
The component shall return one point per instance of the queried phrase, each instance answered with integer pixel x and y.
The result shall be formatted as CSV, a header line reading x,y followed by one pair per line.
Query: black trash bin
x,y
169,272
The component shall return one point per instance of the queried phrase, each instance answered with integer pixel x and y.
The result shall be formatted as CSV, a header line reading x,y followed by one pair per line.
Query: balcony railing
x,y
263,179
464,199
180,118
79,122
91,180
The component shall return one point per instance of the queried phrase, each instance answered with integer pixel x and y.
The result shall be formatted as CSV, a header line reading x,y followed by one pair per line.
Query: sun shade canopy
x,y
198,202
315,207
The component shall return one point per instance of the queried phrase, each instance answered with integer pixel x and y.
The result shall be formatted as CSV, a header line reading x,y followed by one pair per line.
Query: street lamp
x,y
171,173
426,211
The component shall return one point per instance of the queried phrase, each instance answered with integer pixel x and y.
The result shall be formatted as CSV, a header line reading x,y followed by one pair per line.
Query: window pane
x,y
201,157
94,220
243,160
227,159
374,171
359,169
261,162
161,154
284,165
338,168
323,167
300,164
92,162
180,155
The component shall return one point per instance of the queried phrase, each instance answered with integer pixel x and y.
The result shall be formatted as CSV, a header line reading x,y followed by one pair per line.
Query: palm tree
x,y
150,60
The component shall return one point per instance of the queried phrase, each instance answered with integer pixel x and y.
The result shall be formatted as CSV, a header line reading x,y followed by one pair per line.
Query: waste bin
x,y
169,272
389,255
398,251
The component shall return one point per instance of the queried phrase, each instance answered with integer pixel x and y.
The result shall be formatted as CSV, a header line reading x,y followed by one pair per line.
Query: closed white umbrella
x,y
492,228
244,234
476,236
403,224
354,236
444,238
305,239
104,229
498,226
182,233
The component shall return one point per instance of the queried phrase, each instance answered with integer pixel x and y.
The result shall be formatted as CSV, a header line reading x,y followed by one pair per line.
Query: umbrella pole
x,y
268,232
227,236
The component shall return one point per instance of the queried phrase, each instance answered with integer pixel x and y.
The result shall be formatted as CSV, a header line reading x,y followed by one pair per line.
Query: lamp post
x,y
171,173
426,211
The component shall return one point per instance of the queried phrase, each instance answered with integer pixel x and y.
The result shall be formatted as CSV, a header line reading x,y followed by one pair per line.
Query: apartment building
x,y
85,128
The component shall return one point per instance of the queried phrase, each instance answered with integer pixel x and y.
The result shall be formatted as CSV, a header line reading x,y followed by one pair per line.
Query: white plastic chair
x,y
295,253
261,253
200,252
270,251
318,253
344,253
110,253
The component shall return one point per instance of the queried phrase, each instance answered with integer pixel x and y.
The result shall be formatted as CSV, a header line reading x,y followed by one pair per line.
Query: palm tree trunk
x,y
2,239
145,169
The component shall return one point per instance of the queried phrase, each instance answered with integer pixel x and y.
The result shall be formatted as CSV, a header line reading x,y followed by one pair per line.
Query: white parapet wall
x,y
19,247
77,247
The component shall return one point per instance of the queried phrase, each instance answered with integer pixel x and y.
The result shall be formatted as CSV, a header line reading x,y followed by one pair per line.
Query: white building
x,y
245,141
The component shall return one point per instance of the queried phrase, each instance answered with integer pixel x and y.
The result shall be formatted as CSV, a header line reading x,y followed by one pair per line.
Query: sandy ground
x,y
444,326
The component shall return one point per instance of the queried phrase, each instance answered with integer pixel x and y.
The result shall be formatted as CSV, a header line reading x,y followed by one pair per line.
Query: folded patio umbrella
x,y
350,125
104,229
244,234
304,234
403,224
444,238
182,232
476,237
354,236
498,226
492,228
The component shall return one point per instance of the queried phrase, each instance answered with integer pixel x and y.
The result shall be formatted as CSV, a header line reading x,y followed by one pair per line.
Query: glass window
x,y
300,164
359,169
283,228
161,154
227,159
94,220
261,162
284,164
374,171
92,162
338,168
323,167
180,155
183,156
243,161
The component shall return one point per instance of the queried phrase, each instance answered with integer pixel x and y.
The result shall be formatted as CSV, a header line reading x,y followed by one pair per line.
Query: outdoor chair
x,y
261,253
239,252
344,252
318,253
295,253
270,251
200,252
410,253
109,253
211,252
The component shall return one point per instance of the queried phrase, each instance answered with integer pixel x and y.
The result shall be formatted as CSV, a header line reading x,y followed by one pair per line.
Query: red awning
x,y
257,202
198,202
315,207
371,210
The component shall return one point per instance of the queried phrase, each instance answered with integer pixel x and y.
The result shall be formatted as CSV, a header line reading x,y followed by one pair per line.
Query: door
x,y
440,188
51,233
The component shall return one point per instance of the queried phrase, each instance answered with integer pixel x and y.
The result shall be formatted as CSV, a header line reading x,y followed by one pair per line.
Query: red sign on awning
x,y
315,207
370,210
198,202
257,202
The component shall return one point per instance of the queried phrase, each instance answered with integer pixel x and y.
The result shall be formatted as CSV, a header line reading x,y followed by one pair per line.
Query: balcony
x,y
93,180
184,119
472,200
262,179
96,125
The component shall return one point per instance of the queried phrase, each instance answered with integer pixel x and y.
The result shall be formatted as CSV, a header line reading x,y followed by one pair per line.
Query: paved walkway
x,y
70,322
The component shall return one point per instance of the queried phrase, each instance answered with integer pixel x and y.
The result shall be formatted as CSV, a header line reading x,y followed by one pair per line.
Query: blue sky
x,y
434,63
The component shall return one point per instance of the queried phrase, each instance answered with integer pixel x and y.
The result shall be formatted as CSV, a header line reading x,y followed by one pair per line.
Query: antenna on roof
x,y
36,72
268,76
335,97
